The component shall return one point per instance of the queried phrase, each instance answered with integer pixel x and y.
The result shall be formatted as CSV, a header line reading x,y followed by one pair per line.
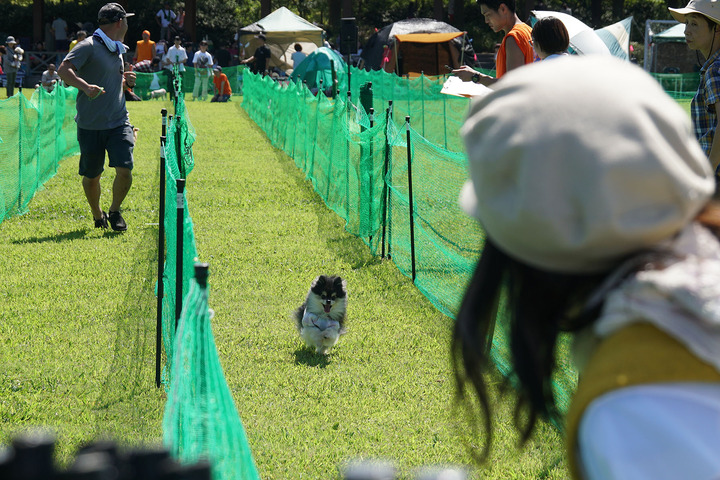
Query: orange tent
x,y
427,53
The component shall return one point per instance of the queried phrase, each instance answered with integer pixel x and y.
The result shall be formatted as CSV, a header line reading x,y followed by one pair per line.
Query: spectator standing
x,y
81,35
261,58
95,67
164,17
59,30
702,33
145,48
49,78
11,64
3,51
222,56
176,55
298,56
222,86
179,22
515,49
203,62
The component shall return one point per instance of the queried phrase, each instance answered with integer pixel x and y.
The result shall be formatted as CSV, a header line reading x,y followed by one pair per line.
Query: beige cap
x,y
578,162
708,8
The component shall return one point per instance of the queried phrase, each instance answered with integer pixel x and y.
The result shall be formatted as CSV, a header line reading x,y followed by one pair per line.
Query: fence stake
x,y
178,146
370,173
410,198
161,250
388,117
422,100
20,151
347,161
180,182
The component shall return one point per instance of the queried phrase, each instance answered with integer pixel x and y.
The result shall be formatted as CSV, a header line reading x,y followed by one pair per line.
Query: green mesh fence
x,y
35,135
200,419
147,82
679,85
396,188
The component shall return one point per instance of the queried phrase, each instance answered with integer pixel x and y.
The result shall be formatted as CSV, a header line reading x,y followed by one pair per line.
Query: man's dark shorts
x,y
119,143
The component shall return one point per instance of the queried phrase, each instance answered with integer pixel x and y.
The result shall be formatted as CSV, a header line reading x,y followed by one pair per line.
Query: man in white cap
x,y
10,65
95,68
702,33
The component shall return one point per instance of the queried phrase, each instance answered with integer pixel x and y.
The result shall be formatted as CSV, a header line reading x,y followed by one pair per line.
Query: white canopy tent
x,y
283,29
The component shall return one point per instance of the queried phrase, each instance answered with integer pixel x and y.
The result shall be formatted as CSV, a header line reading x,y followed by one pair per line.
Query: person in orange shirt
x,y
145,48
222,86
516,48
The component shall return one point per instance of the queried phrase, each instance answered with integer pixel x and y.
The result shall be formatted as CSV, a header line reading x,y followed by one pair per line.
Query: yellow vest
x,y
635,355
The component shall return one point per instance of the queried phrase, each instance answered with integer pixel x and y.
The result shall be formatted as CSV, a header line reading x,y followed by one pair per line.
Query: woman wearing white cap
x,y
10,65
598,222
702,33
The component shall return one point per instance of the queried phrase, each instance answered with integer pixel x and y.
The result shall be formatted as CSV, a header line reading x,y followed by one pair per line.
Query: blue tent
x,y
318,66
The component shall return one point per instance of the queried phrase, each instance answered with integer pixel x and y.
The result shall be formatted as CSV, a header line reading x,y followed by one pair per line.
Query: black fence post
x,y
410,197
161,250
386,190
371,182
178,145
347,158
180,182
20,151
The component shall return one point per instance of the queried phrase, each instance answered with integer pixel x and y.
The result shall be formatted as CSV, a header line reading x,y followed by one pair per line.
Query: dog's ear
x,y
340,286
319,282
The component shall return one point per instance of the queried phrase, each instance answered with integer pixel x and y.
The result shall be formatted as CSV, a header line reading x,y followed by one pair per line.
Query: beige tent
x,y
283,30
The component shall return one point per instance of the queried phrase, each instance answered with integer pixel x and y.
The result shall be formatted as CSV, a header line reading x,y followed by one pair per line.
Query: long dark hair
x,y
541,305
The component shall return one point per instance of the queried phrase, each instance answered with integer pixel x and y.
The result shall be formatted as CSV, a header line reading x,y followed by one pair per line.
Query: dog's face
x,y
327,295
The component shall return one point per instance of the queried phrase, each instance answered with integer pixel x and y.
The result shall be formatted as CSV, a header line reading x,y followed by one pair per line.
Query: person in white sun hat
x,y
702,33
599,222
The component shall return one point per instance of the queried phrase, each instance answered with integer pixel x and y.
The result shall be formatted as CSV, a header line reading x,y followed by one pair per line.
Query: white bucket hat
x,y
708,8
579,162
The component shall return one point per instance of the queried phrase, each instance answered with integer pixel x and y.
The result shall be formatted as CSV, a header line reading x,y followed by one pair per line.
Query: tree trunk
x,y
191,19
460,14
618,7
524,9
438,10
595,12
265,8
38,24
347,9
334,7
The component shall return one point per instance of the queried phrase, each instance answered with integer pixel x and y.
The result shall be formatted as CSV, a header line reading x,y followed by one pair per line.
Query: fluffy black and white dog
x,y
321,319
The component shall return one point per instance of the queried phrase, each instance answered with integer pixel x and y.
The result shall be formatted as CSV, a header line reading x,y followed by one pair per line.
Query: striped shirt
x,y
702,108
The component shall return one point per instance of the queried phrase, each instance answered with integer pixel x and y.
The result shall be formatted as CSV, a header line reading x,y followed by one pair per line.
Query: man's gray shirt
x,y
97,65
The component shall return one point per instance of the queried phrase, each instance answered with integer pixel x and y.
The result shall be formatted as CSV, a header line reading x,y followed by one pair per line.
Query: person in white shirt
x,y
298,56
203,62
176,55
60,30
50,78
164,17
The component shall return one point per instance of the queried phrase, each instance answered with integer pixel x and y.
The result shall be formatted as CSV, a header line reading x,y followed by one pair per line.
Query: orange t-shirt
x,y
217,80
522,34
144,50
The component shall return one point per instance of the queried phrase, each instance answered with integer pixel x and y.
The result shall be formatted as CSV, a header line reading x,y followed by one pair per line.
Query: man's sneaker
x,y
102,222
117,222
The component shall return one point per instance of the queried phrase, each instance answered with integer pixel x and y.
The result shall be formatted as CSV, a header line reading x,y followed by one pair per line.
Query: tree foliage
x,y
220,19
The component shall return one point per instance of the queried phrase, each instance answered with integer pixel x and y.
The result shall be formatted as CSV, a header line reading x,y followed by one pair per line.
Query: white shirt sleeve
x,y
652,432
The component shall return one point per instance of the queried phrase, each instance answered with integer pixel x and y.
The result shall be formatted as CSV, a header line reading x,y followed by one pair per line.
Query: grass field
x,y
77,320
